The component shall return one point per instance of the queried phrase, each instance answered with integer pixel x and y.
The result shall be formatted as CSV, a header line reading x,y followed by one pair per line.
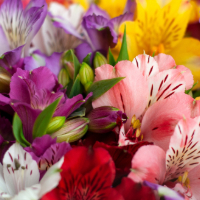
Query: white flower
x,y
19,176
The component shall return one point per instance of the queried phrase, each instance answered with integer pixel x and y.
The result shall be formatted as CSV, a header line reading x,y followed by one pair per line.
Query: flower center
x,y
158,49
184,180
134,132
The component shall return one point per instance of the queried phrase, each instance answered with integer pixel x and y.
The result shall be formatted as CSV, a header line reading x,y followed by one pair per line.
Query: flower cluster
x,y
99,100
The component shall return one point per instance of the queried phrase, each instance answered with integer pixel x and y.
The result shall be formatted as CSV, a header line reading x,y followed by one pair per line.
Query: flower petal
x,y
131,100
20,171
161,118
187,53
51,179
165,84
147,65
148,164
183,154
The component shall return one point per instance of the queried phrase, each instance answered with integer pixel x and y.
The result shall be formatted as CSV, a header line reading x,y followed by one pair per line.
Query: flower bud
x,y
72,130
67,62
55,124
86,74
5,78
99,60
104,119
63,77
87,85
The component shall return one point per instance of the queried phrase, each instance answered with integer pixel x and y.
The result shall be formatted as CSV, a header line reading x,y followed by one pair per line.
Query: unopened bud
x,y
86,74
99,60
87,85
5,78
72,130
104,119
68,63
55,124
63,77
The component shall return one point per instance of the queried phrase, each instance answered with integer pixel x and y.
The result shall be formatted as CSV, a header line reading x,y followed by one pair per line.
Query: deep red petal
x,y
81,160
131,190
52,195
121,157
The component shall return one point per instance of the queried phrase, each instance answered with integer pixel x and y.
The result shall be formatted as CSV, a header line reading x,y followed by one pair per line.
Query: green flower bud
x,y
99,60
72,130
55,124
87,85
5,78
67,62
63,77
86,74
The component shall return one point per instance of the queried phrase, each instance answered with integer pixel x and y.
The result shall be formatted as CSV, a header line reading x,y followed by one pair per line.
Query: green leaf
x,y
80,112
76,88
188,91
18,131
87,59
154,53
123,54
42,121
111,59
100,87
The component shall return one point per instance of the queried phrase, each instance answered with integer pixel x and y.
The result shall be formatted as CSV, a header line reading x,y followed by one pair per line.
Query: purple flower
x,y
31,92
17,28
38,59
46,152
101,32
52,37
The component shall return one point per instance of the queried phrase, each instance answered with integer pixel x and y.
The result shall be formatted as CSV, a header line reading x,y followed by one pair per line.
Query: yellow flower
x,y
113,7
195,13
159,27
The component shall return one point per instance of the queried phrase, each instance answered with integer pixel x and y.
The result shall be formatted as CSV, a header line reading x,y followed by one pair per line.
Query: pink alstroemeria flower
x,y
177,168
149,81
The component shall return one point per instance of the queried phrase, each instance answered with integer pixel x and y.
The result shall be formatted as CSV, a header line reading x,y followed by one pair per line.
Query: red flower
x,y
131,190
86,174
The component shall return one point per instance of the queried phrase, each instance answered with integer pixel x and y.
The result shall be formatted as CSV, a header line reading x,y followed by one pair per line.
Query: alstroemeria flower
x,y
18,27
153,164
46,152
31,92
98,31
51,37
19,176
38,59
148,81
91,180
162,31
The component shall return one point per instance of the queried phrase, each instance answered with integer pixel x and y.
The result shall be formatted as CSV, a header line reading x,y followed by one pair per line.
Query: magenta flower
x,y
31,92
46,152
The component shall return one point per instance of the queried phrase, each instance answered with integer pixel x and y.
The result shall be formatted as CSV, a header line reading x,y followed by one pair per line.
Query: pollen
x,y
197,98
184,180
158,49
135,123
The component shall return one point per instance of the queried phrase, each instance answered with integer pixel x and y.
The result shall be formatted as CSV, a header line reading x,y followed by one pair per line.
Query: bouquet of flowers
x,y
99,100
